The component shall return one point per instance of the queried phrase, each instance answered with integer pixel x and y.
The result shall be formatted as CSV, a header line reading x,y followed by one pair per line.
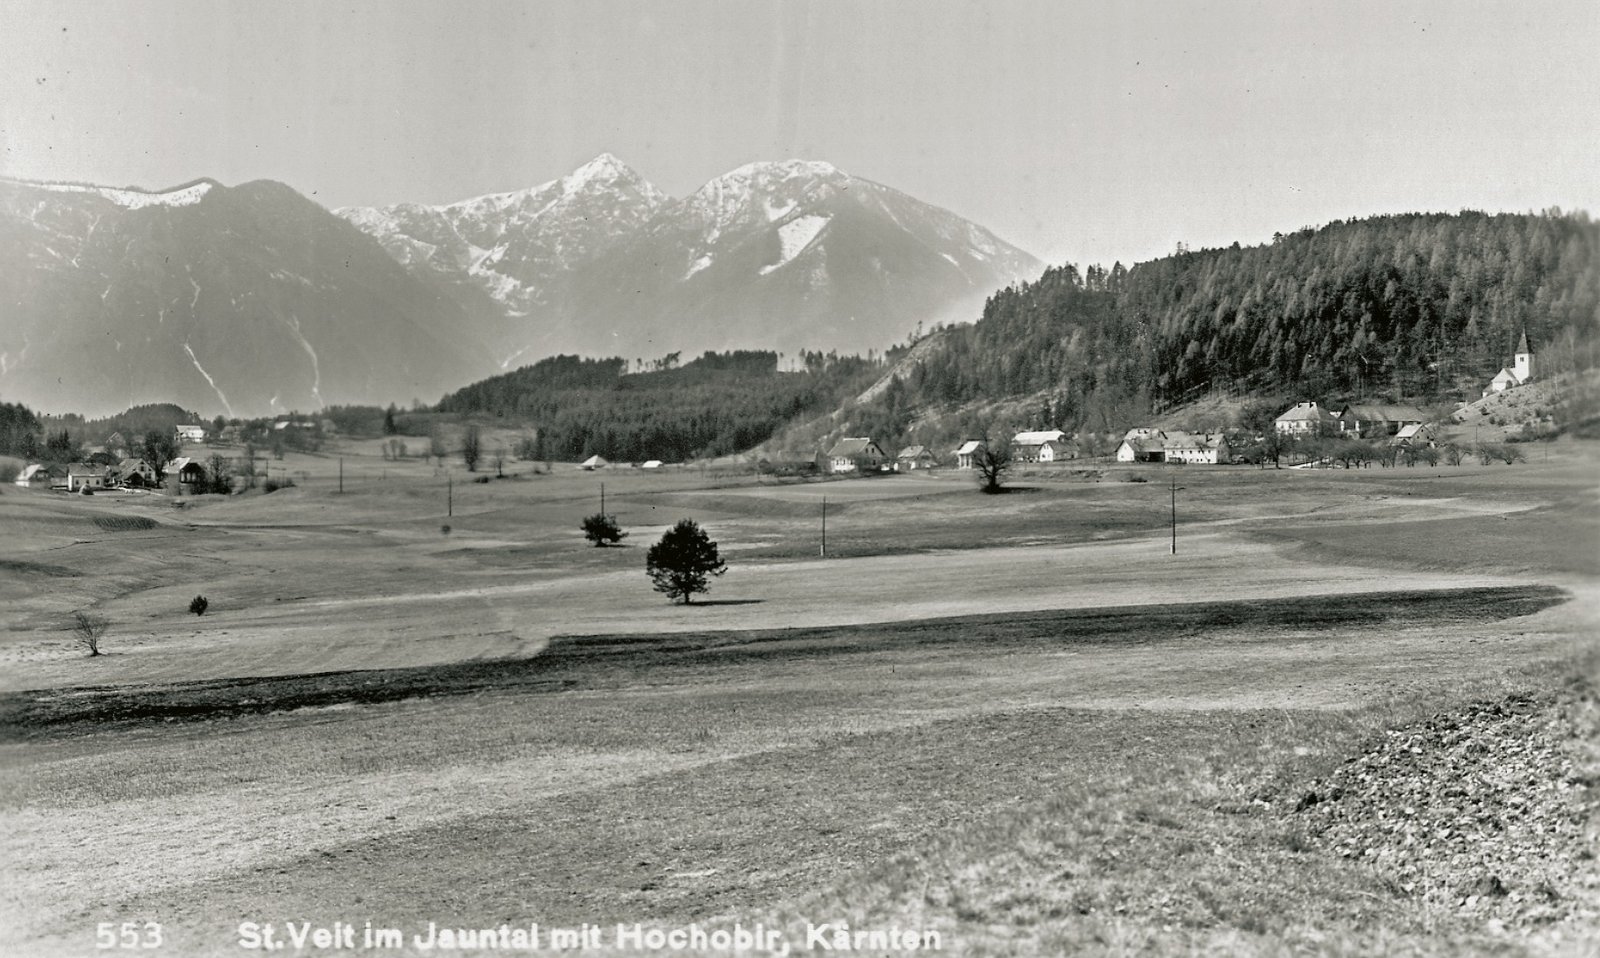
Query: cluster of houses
x,y
861,454
125,474
113,469
1398,423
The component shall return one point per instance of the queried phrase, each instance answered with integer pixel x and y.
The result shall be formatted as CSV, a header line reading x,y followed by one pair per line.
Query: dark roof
x,y
913,452
1522,344
1382,412
851,446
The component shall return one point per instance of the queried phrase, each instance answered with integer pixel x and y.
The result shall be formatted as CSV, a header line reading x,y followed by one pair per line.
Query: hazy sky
x,y
1080,131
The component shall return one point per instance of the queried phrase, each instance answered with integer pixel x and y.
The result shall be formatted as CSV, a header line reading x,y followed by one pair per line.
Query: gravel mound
x,y
1488,811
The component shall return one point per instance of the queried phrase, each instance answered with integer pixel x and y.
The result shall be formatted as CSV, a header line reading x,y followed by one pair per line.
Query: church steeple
x,y
1522,362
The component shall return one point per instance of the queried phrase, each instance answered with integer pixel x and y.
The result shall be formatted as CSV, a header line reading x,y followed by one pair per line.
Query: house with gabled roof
x,y
915,457
856,454
1208,448
1378,419
82,475
37,476
1151,448
1306,419
966,452
133,472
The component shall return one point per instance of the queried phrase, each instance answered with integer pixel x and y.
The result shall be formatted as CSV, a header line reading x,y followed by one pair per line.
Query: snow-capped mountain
x,y
238,300
787,255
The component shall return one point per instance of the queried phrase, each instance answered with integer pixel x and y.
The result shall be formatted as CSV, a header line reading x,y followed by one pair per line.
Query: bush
x,y
273,485
602,529
199,604
88,629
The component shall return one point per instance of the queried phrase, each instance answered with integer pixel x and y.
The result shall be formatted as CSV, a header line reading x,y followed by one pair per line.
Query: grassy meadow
x,y
1015,719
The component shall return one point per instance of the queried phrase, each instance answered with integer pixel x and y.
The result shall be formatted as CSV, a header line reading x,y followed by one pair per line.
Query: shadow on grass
x,y
707,602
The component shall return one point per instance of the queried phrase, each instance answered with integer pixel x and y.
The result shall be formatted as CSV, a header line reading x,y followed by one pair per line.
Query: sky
x,y
1082,132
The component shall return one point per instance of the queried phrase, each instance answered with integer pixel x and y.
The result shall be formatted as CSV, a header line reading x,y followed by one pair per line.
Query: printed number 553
x,y
130,934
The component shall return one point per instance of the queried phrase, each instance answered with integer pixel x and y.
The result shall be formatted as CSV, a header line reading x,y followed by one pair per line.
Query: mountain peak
x,y
605,171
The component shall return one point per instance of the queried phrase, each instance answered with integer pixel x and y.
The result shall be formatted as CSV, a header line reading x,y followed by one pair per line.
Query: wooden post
x,y
341,475
449,495
602,498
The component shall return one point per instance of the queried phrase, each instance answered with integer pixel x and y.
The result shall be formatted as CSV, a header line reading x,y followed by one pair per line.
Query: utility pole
x,y
449,495
824,527
602,498
341,475
1174,515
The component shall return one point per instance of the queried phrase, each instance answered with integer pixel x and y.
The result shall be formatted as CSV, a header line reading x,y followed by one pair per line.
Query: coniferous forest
x,y
719,404
1421,306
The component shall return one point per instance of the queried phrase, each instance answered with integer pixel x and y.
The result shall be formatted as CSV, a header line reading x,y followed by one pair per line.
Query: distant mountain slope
x,y
786,256
236,300
1423,307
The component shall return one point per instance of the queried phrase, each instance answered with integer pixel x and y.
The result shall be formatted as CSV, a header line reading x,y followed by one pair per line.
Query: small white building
x,y
595,462
650,464
82,476
968,450
191,433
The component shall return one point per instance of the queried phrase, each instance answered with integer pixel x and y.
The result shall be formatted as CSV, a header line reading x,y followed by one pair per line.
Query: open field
x,y
1012,718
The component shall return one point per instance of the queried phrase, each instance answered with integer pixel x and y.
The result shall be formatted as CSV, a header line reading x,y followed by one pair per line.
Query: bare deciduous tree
x,y
88,629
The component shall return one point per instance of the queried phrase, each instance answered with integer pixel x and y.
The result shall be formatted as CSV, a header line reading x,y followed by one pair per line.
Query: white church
x,y
1518,373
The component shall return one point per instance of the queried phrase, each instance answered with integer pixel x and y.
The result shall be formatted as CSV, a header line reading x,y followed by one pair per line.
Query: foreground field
x,y
1013,719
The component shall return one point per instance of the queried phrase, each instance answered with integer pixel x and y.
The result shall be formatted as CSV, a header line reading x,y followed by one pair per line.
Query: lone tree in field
x,y
603,530
991,460
681,562
88,628
471,448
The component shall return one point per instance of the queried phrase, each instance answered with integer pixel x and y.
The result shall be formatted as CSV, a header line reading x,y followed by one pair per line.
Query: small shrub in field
x,y
88,629
199,604
273,485
602,529
444,530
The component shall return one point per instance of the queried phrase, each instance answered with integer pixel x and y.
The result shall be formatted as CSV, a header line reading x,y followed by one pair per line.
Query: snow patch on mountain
x,y
134,199
196,360
795,236
698,265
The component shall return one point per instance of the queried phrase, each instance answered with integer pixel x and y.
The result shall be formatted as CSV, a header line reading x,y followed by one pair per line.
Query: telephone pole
x,y
1174,515
449,495
602,498
341,475
824,552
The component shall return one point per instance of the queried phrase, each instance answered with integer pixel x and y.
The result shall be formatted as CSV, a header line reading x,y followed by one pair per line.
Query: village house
x,y
915,457
1518,373
37,476
1147,448
82,476
1416,435
855,454
1209,448
595,462
188,433
186,472
1378,420
965,454
135,473
1306,419
116,445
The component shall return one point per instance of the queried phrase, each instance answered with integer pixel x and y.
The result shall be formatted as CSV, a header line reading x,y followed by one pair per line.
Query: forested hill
x,y
718,404
1422,306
